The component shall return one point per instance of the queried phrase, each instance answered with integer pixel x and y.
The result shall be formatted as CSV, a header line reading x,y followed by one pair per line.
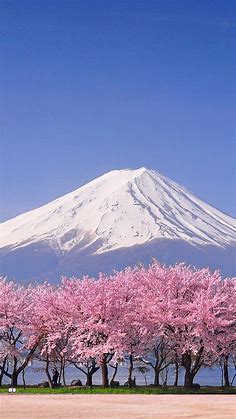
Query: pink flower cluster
x,y
183,316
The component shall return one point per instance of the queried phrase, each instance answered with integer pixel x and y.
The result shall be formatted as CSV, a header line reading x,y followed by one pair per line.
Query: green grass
x,y
120,390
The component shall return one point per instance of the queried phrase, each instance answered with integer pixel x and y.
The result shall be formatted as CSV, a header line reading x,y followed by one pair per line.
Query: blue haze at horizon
x,y
93,86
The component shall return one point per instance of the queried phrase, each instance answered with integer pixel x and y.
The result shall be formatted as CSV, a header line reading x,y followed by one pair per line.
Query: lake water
x,y
206,376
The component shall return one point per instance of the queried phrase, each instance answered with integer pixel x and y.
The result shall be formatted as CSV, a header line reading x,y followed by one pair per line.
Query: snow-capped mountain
x,y
123,209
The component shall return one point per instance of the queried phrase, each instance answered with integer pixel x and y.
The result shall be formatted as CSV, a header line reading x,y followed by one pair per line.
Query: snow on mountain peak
x,y
121,208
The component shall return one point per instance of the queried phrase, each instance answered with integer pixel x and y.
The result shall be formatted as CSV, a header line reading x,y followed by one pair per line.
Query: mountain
x,y
120,218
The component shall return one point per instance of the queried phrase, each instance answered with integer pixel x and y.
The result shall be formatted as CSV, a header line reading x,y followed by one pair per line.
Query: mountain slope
x,y
121,209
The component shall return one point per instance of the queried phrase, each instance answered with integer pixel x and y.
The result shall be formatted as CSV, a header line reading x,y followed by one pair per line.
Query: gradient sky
x,y
89,86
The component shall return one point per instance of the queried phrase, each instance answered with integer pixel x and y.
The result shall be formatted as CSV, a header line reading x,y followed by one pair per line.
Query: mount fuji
x,y
121,218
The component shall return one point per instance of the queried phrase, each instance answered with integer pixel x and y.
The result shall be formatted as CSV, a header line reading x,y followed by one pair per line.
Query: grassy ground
x,y
120,390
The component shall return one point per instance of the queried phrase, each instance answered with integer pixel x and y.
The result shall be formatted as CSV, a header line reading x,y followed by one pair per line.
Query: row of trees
x,y
178,315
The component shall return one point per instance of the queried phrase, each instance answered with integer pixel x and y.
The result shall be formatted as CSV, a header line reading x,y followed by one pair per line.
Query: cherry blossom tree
x,y
192,310
20,331
180,315
131,329
87,316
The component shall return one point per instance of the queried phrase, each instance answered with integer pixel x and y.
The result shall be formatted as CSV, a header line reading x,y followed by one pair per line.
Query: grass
x,y
120,390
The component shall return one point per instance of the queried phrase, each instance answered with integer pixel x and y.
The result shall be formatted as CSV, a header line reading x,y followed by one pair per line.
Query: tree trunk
x,y
188,379
16,371
14,379
115,371
48,373
166,378
156,377
62,372
14,375
2,369
176,374
89,381
63,376
23,377
1,375
90,371
186,363
131,367
226,371
105,382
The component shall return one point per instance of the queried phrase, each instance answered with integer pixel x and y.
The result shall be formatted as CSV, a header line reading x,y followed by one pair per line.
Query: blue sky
x,y
90,86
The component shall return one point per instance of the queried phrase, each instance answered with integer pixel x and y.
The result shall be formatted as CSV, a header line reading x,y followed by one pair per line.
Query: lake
x,y
206,376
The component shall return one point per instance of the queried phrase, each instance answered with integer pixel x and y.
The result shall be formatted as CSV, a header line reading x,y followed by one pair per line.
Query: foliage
x,y
181,315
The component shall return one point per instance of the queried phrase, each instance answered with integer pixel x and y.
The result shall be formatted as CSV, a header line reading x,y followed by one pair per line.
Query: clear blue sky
x,y
89,86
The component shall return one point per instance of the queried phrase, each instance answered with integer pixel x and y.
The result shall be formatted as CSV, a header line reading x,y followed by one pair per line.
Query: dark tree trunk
x,y
105,381
2,369
14,375
1,375
94,368
48,374
188,379
62,372
115,371
14,378
23,377
166,378
88,371
186,363
157,367
89,381
176,374
16,371
131,367
191,370
63,376
226,371
91,370
156,377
